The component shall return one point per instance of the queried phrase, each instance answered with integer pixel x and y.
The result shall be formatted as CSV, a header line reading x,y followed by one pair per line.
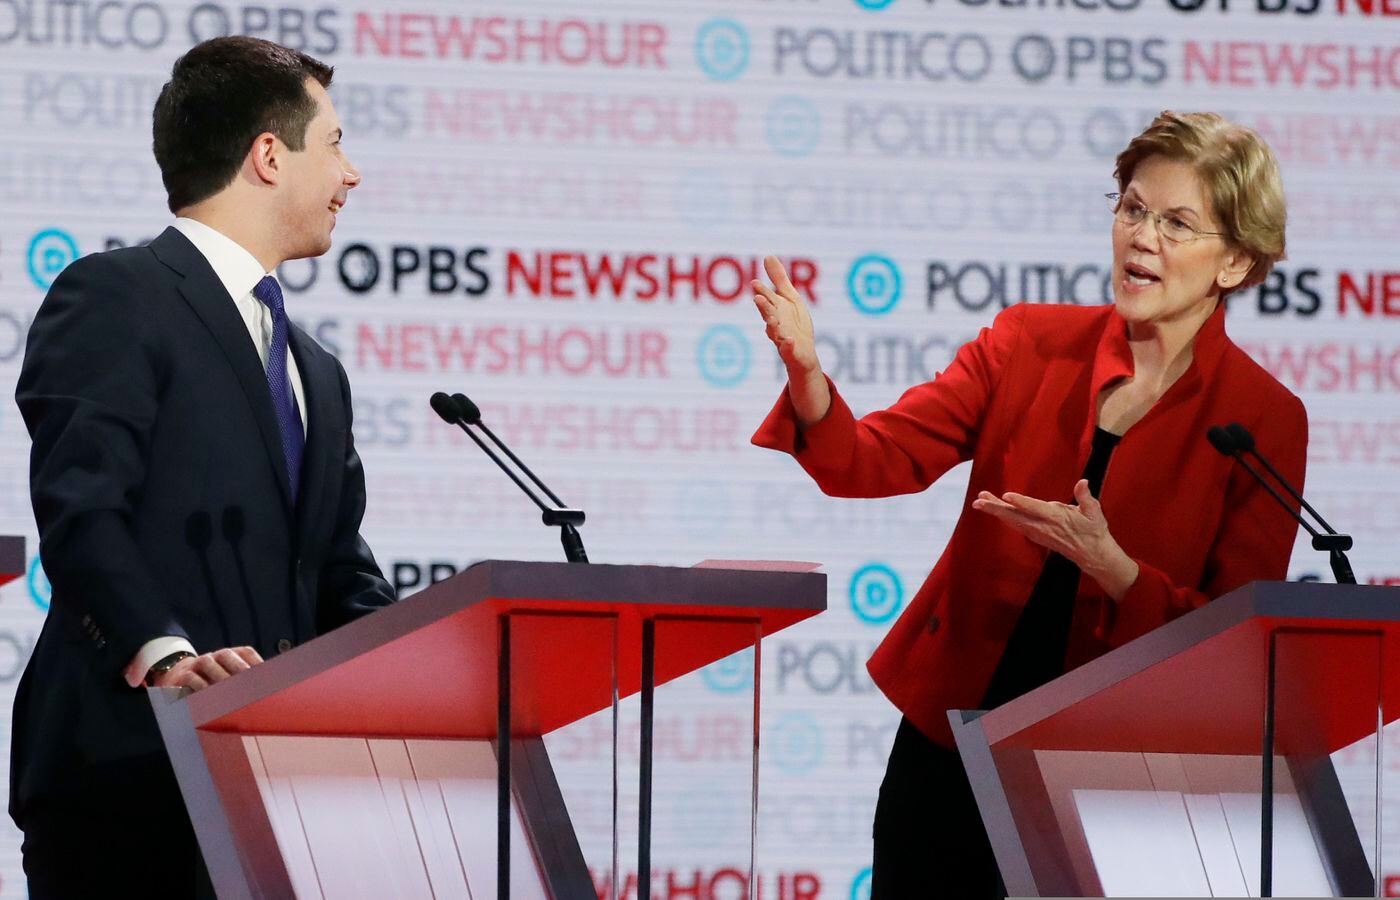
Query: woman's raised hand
x,y
789,326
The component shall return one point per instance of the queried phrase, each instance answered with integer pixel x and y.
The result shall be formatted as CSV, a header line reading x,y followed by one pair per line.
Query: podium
x,y
1196,760
374,760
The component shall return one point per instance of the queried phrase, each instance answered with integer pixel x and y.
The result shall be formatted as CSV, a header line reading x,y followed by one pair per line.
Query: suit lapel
x,y
204,293
321,389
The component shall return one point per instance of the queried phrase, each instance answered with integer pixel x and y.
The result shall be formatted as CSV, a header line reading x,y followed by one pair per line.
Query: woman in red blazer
x,y
1096,508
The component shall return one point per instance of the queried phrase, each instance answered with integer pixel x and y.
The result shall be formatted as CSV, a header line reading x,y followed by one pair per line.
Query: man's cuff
x,y
152,652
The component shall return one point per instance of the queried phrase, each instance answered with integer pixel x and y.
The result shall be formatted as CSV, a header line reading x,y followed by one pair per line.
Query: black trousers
x,y
121,832
929,839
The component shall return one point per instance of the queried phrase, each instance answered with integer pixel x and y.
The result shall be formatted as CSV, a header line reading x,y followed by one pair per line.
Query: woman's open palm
x,y
788,323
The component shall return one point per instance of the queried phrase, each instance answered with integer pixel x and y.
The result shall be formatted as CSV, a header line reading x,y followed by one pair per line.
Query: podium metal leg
x,y
644,797
1266,791
503,762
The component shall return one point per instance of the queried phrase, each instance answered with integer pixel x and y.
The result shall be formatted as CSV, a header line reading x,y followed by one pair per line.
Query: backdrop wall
x,y
562,203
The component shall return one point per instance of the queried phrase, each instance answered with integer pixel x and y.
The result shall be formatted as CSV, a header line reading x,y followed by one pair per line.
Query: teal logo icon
x,y
50,252
795,743
722,49
874,284
860,885
40,591
724,356
876,593
794,126
730,675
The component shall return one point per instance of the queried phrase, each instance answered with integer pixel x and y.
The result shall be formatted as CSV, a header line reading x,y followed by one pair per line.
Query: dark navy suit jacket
x,y
163,503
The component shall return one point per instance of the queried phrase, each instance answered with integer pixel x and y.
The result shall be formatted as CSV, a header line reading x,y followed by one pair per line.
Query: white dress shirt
x,y
239,271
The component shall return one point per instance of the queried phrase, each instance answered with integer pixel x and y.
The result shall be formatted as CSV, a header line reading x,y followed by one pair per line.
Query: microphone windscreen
x,y
1222,440
467,409
445,407
1243,439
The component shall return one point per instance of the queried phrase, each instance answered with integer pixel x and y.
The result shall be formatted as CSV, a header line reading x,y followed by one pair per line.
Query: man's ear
x,y
266,157
1234,269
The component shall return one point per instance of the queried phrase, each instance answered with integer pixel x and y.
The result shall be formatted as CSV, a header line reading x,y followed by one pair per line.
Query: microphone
x,y
462,412
1234,440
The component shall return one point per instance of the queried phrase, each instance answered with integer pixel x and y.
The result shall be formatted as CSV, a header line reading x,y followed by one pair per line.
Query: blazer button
x,y
933,624
283,645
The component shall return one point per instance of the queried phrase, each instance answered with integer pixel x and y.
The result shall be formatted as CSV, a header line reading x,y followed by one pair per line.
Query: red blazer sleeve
x,y
1253,541
905,448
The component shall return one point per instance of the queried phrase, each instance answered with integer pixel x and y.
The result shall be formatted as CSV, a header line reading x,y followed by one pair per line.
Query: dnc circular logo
x,y
722,49
876,594
724,355
50,252
795,743
874,284
730,675
860,886
40,590
794,126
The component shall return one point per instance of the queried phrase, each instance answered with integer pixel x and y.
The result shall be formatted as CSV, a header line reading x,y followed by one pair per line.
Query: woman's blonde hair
x,y
1239,172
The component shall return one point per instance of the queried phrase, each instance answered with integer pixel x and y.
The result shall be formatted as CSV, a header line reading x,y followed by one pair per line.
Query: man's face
x,y
318,179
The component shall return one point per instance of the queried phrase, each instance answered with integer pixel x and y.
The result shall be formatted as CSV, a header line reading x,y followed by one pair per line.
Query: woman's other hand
x,y
789,326
1078,532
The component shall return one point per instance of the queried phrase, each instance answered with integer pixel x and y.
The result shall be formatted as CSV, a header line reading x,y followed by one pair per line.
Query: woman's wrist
x,y
810,395
1115,572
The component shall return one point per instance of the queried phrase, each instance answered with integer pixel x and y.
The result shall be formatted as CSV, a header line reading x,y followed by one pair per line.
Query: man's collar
x,y
237,269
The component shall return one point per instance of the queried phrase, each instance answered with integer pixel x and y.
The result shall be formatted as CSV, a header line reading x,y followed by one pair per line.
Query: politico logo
x,y
824,668
954,131
901,357
882,55
976,286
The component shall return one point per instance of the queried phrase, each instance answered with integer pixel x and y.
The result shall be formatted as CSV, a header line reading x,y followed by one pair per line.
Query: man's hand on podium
x,y
198,672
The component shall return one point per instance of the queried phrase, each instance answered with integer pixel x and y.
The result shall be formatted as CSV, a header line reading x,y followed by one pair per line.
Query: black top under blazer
x,y
163,504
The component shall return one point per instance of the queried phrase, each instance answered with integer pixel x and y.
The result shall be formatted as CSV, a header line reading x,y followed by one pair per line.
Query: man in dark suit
x,y
193,475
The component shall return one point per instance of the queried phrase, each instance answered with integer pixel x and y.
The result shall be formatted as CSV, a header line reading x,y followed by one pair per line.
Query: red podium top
x,y
427,666
1198,684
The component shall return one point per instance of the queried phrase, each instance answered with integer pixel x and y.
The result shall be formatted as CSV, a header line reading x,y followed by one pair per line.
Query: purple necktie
x,y
284,402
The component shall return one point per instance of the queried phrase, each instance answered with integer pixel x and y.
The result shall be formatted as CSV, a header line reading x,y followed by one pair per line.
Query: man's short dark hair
x,y
222,94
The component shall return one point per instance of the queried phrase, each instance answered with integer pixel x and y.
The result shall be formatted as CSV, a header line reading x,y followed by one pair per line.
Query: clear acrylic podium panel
x,y
1103,804
584,763
704,774
703,778
703,808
